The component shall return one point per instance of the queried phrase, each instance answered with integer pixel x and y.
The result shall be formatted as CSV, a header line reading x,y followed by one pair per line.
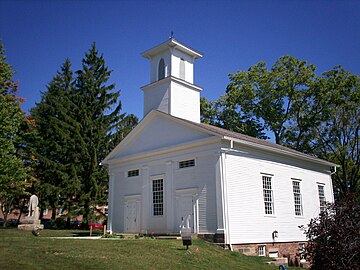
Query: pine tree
x,y
99,116
78,122
56,143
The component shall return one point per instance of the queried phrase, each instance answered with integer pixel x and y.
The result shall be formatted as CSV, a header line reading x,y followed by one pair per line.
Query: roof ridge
x,y
249,139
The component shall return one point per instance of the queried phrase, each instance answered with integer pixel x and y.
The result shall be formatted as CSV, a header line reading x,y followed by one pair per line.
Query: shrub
x,y
334,238
59,223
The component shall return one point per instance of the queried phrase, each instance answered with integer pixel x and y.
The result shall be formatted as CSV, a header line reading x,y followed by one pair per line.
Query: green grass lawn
x,y
22,250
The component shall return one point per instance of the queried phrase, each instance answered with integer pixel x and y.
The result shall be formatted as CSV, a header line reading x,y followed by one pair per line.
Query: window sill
x,y
270,216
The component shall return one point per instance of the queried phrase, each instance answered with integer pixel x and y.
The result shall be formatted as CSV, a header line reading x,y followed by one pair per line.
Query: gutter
x,y
279,151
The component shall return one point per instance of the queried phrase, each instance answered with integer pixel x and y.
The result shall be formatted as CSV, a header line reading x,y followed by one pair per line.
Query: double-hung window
x,y
268,195
322,199
297,198
158,197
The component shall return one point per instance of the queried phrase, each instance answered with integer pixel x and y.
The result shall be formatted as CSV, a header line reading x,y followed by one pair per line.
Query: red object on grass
x,y
96,225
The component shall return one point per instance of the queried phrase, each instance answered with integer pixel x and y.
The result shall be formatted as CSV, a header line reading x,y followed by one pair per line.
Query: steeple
x,y
172,89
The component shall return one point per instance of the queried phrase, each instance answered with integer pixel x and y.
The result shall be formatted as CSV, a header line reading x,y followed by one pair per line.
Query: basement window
x,y
261,250
186,163
133,173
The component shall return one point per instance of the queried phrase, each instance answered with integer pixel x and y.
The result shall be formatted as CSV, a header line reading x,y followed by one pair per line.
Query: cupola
x,y
172,89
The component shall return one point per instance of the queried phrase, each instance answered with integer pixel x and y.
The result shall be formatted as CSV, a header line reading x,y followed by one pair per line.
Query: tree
x,y
98,113
78,122
337,137
223,114
125,126
334,239
56,143
317,115
12,172
275,98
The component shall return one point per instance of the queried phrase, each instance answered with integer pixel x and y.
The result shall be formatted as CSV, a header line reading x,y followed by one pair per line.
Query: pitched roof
x,y
255,142
172,42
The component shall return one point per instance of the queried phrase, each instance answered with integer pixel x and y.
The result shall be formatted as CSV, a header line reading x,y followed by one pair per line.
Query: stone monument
x,y
32,221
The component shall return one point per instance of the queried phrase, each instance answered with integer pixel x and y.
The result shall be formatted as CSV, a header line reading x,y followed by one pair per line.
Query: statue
x,y
32,221
33,207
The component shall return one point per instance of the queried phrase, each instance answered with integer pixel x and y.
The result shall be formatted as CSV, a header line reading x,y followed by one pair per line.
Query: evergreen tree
x,y
99,116
56,143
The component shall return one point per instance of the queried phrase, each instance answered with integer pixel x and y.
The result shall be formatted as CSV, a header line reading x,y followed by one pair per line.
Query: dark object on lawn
x,y
282,267
186,239
35,232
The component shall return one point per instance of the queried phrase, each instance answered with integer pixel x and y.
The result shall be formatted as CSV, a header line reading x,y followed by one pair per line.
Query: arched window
x,y
182,69
161,71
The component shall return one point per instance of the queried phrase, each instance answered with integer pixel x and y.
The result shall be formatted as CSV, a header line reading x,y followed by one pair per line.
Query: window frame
x,y
129,173
188,163
182,69
262,248
161,69
322,197
268,193
157,197
297,196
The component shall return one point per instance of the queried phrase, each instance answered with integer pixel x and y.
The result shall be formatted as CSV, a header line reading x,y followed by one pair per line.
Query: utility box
x,y
187,241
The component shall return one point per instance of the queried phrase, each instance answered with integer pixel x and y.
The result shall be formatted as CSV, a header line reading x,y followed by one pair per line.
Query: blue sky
x,y
233,35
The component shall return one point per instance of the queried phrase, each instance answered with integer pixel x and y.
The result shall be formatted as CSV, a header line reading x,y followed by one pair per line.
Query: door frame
x,y
192,193
136,198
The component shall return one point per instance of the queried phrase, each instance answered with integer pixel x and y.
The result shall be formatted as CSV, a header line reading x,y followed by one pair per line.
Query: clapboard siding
x,y
202,177
247,220
159,133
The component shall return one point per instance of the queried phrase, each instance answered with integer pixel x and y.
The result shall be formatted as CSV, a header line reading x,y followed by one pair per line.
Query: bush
x,y
334,238
59,223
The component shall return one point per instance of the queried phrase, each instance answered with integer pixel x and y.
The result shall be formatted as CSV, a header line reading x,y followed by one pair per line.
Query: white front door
x,y
132,216
185,214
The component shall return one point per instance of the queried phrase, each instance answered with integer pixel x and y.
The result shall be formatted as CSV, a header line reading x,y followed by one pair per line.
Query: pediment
x,y
158,131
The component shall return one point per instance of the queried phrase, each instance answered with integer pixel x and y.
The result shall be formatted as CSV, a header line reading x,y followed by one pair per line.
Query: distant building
x,y
174,174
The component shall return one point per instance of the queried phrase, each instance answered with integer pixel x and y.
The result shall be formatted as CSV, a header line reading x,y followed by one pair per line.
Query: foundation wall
x,y
291,250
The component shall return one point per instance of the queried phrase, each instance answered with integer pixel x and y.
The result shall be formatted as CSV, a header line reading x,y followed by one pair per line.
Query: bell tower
x,y
172,89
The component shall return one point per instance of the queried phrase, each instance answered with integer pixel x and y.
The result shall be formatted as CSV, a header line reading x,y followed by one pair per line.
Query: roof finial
x,y
171,34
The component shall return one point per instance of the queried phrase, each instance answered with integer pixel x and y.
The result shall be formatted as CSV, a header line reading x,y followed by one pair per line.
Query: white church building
x,y
173,174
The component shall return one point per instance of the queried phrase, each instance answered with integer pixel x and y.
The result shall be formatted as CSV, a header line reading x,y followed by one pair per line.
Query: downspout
x,y
110,203
333,171
331,183
230,245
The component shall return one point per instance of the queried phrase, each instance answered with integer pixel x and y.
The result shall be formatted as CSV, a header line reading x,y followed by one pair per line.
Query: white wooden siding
x,y
159,133
157,98
247,220
185,102
201,178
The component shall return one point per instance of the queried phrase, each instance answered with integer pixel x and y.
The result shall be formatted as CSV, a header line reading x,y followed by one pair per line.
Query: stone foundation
x,y
290,250
217,238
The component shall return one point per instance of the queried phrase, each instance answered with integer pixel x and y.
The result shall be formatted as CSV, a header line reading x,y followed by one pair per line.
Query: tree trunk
x,y
53,212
